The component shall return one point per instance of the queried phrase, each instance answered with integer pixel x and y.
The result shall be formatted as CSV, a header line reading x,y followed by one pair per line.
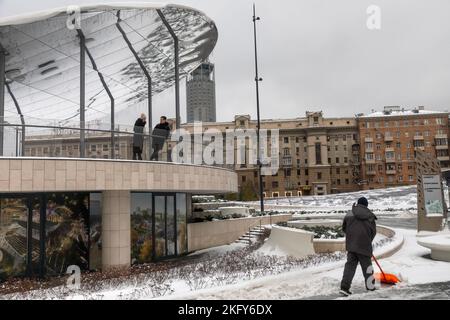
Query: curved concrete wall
x,y
63,174
295,242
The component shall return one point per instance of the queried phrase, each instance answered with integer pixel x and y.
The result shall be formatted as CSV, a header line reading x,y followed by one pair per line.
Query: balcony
x,y
390,160
442,147
418,137
388,138
441,136
368,139
370,161
389,149
286,162
422,148
391,171
369,149
444,158
371,172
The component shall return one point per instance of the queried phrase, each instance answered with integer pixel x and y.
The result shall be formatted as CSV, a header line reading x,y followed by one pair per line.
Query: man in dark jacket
x,y
360,230
138,137
159,135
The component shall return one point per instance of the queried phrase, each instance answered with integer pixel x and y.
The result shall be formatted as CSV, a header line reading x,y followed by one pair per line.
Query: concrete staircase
x,y
251,236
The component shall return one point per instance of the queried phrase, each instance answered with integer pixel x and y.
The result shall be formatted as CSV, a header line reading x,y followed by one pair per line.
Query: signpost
x,y
431,207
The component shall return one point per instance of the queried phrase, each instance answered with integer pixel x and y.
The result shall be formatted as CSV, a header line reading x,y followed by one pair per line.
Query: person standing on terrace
x,y
138,136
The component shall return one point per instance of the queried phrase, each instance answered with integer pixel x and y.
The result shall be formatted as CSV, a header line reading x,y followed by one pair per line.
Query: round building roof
x,y
43,56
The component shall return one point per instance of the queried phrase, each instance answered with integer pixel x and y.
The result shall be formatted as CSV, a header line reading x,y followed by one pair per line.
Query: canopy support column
x,y
22,120
177,67
149,82
2,95
82,95
111,98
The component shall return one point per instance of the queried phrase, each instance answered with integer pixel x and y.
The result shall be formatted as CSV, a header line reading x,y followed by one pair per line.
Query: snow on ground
x,y
412,263
391,201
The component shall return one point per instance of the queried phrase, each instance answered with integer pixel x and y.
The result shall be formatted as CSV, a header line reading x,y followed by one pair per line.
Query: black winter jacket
x,y
160,134
360,230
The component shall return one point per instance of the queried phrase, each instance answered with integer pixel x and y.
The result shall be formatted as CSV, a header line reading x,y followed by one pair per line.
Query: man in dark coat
x,y
159,135
360,230
138,137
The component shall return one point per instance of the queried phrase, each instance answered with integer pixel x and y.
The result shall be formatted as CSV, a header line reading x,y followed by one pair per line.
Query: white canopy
x,y
42,65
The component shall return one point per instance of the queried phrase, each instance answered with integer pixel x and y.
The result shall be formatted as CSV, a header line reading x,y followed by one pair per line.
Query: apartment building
x,y
390,138
317,155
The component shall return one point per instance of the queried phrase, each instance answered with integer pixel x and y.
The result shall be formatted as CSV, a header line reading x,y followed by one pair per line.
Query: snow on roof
x,y
401,113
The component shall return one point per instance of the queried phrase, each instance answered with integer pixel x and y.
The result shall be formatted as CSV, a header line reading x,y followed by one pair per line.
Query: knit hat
x,y
363,201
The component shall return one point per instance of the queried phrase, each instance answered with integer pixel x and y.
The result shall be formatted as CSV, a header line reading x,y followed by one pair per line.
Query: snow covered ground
x,y
412,263
400,200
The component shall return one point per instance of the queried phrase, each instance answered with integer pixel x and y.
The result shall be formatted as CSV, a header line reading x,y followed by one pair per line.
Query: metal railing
x,y
64,142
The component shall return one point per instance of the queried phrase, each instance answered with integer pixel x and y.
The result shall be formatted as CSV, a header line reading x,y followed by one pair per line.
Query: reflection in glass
x,y
170,231
66,228
95,230
141,228
160,226
13,236
181,224
36,234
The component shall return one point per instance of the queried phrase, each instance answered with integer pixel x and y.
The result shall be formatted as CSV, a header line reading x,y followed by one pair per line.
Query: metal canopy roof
x,y
43,57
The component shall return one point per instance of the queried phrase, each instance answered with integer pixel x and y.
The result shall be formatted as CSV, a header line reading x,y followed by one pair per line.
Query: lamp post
x,y
257,80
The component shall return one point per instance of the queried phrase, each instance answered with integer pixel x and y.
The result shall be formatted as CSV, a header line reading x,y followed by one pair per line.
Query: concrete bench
x,y
439,245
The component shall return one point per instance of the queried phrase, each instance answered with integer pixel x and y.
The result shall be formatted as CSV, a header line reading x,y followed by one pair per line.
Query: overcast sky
x,y
317,55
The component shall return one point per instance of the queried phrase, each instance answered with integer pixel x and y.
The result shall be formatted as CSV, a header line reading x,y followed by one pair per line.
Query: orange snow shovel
x,y
386,278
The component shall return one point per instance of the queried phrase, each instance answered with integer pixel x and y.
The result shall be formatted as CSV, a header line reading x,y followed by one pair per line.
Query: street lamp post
x,y
257,80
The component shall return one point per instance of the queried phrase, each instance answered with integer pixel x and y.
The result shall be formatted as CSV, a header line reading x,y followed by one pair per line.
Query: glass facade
x,y
13,236
45,233
141,228
158,226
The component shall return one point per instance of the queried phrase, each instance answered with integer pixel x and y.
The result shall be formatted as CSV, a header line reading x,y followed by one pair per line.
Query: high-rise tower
x,y
201,94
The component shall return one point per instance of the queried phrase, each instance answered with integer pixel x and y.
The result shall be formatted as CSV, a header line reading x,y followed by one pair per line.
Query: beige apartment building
x,y
390,138
317,155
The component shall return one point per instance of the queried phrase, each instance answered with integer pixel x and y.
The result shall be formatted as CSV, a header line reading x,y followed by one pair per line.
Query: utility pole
x,y
258,143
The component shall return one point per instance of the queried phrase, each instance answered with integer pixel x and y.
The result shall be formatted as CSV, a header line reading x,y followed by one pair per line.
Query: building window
x,y
337,159
286,139
318,153
411,178
319,175
244,178
274,184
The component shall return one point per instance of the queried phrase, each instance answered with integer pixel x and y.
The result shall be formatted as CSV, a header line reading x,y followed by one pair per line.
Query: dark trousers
x,y
350,268
156,149
137,153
